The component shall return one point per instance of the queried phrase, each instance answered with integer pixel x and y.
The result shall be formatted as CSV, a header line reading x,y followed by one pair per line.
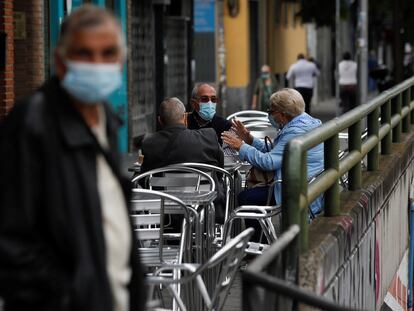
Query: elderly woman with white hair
x,y
286,112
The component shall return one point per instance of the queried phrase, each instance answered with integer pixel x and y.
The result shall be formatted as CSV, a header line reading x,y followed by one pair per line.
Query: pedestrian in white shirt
x,y
348,82
303,74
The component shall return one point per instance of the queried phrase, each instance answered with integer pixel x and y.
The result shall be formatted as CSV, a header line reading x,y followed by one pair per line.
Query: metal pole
x,y
337,51
363,51
332,205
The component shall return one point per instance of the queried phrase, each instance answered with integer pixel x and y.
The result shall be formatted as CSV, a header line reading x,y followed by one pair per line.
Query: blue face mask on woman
x,y
91,83
273,122
207,110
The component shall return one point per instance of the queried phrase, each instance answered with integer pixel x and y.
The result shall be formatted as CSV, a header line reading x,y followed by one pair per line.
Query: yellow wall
x,y
286,42
236,36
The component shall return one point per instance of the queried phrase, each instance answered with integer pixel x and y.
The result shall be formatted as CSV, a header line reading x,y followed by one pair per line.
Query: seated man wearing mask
x,y
204,102
287,113
174,143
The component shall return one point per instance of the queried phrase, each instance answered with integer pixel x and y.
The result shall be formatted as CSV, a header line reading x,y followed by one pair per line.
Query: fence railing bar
x,y
292,291
321,183
373,131
384,130
269,255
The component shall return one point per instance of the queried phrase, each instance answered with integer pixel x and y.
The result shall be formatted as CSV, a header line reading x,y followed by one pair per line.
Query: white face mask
x,y
91,83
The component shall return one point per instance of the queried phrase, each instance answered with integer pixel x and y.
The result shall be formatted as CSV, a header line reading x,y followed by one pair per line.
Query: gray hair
x,y
194,92
85,17
288,101
172,111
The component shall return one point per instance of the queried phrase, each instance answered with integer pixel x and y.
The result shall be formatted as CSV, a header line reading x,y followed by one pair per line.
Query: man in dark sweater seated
x,y
204,102
174,143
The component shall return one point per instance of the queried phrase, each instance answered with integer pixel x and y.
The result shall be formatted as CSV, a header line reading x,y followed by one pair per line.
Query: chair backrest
x,y
263,215
228,260
174,178
248,114
148,211
261,129
218,171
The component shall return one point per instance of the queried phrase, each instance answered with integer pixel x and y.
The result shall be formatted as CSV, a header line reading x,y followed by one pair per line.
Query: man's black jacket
x,y
52,250
218,123
177,144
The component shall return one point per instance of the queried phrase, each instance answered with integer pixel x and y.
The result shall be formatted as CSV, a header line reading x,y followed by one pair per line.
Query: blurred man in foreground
x,y
66,241
204,103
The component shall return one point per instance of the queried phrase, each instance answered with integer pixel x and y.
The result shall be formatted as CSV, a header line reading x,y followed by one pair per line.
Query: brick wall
x,y
29,53
7,74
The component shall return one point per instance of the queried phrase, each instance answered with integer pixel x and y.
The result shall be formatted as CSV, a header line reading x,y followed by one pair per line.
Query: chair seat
x,y
150,257
254,248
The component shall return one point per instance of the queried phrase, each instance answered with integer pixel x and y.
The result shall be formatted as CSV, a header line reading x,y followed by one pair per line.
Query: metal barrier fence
x,y
265,289
388,116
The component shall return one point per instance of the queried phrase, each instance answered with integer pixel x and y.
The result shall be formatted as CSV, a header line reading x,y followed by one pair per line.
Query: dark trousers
x,y
307,94
347,94
255,196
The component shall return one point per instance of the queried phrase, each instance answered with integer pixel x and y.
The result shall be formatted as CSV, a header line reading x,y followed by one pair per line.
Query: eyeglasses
x,y
206,99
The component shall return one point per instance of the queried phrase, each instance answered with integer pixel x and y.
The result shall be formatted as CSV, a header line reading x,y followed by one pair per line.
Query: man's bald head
x,y
172,112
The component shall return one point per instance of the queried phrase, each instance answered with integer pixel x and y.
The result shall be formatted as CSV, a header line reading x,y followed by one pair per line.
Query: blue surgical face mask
x,y
91,83
265,75
207,110
273,122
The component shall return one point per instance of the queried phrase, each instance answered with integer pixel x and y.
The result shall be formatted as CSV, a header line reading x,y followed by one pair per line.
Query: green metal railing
x,y
388,116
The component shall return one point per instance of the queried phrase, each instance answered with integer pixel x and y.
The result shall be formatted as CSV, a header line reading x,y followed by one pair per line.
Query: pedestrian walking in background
x,y
303,74
347,82
66,240
265,86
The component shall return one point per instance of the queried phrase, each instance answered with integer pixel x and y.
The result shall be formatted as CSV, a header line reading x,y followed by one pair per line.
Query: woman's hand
x,y
231,140
241,131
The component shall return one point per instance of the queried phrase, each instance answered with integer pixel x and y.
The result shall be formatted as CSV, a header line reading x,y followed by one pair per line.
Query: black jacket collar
x,y
75,131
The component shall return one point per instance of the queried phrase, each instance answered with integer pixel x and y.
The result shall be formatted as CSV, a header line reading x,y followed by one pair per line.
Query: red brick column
x,y
29,53
7,74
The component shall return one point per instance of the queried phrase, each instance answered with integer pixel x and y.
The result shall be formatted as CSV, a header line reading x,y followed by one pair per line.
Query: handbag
x,y
257,177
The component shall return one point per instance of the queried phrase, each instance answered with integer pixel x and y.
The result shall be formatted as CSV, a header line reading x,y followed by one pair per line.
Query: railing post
x,y
396,132
291,192
304,213
410,96
373,130
331,155
407,120
386,142
354,143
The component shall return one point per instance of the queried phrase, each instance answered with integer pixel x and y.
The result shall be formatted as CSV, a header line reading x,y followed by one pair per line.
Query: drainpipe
x,y
221,57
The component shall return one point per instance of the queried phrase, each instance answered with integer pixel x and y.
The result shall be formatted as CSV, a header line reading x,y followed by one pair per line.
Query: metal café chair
x,y
185,183
247,116
263,215
227,259
262,129
215,171
148,211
